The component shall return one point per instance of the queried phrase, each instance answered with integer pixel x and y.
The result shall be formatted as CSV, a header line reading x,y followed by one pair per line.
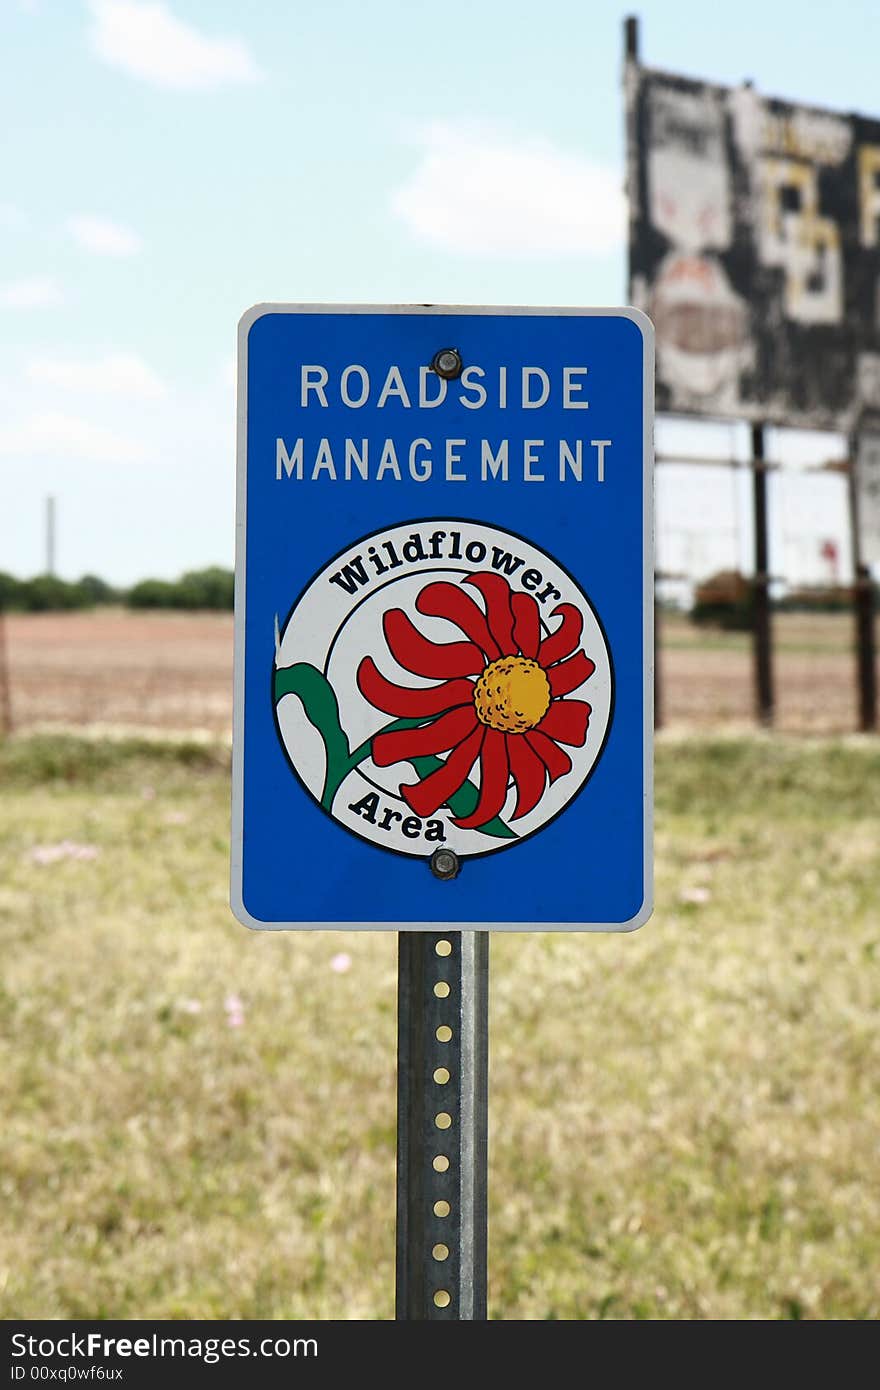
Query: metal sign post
x,y
443,659
442,1097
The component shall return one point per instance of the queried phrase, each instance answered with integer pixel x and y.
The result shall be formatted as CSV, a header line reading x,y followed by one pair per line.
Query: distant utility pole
x,y
50,535
631,37
5,698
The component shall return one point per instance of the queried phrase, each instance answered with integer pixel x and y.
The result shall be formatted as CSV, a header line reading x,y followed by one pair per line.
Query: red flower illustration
x,y
512,717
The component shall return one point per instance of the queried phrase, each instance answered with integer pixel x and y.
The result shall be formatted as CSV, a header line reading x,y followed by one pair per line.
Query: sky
x,y
168,163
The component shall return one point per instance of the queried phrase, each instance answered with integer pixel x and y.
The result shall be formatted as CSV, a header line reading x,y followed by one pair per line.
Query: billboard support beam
x,y
866,649
442,1125
761,603
863,607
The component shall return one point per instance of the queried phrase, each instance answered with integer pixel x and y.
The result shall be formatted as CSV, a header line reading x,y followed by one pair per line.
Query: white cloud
x,y
143,38
33,292
476,191
118,374
103,237
66,437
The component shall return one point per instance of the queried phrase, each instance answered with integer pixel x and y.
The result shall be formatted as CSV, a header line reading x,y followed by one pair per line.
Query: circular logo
x,y
443,683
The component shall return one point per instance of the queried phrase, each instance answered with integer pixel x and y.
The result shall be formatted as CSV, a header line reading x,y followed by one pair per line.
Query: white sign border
x,y
646,328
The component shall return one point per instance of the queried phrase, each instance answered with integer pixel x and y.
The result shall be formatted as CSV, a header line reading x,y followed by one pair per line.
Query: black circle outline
x,y
419,521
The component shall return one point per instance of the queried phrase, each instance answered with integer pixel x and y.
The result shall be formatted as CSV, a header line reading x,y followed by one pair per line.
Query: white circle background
x,y
334,631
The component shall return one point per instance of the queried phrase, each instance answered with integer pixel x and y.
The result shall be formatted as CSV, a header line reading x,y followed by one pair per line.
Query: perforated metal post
x,y
442,1093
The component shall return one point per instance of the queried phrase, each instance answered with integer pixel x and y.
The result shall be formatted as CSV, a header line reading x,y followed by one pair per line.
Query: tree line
x,y
210,588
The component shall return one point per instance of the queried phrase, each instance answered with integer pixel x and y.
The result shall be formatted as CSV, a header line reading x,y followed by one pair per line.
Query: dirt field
x,y
114,667
174,671
706,675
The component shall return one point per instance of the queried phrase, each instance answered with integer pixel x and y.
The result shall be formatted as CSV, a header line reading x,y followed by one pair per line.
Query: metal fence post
x,y
442,1123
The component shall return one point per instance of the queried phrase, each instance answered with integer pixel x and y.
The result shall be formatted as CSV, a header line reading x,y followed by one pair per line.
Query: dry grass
x,y
683,1122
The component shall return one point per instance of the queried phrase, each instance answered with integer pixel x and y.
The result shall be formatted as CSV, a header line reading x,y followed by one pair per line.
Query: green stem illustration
x,y
321,708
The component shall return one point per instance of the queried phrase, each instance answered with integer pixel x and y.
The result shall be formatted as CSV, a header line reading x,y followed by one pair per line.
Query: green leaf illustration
x,y
321,708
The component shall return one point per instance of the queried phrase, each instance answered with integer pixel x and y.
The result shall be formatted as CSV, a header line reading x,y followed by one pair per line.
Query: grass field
x,y
199,1121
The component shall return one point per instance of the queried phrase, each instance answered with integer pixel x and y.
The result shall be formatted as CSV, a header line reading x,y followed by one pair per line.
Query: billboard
x,y
755,248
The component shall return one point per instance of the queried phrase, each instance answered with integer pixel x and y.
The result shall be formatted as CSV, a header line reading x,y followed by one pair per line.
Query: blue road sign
x,y
444,600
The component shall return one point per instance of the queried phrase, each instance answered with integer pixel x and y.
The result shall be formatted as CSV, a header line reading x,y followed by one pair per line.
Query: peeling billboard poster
x,y
755,248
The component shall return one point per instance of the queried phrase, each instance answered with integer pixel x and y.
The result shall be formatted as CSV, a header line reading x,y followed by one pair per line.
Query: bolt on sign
x,y
444,598
755,248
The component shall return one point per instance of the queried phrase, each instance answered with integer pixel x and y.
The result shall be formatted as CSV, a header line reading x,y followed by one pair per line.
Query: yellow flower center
x,y
512,695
